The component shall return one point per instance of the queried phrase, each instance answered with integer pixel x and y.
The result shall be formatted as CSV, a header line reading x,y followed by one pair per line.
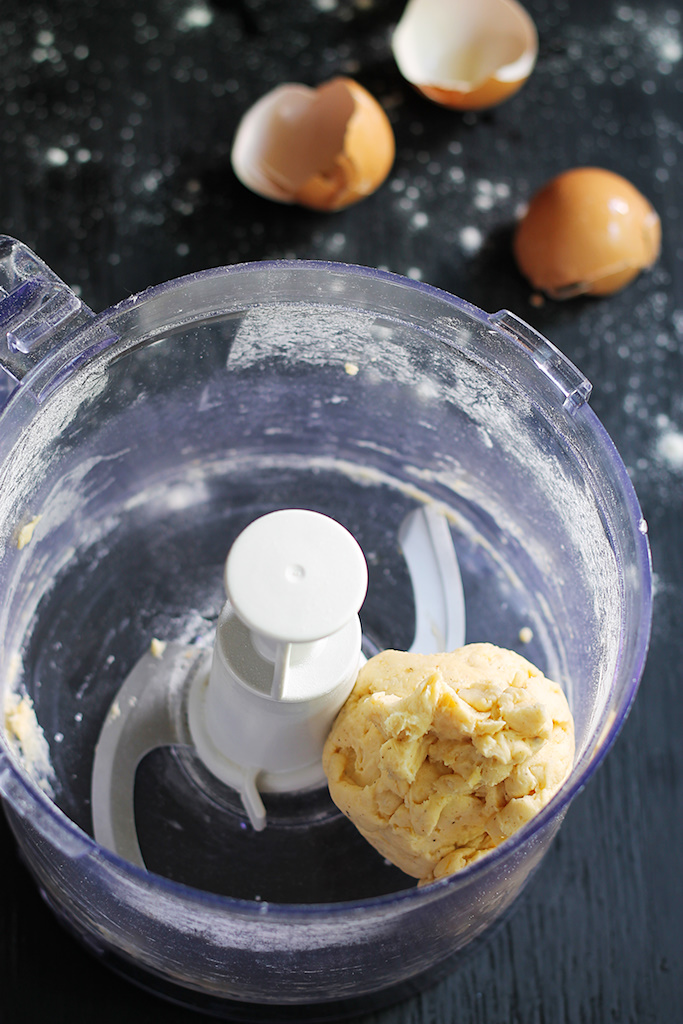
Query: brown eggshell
x,y
587,231
465,54
490,94
365,160
323,148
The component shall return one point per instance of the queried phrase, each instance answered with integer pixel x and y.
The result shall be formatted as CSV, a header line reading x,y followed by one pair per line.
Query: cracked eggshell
x,y
587,231
465,54
324,148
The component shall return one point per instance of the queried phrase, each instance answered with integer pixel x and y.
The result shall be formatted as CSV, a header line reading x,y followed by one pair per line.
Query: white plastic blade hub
x,y
286,656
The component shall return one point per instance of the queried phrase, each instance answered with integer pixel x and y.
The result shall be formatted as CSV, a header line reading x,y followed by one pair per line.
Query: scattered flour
x,y
670,449
471,239
56,156
197,15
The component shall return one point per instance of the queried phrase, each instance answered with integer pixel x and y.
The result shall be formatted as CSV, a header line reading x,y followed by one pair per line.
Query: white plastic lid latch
x,y
286,656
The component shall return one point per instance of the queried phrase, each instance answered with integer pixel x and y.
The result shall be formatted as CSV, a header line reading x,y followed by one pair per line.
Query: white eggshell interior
x,y
462,43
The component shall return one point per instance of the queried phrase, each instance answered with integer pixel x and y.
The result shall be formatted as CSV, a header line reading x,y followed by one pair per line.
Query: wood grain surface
x,y
116,119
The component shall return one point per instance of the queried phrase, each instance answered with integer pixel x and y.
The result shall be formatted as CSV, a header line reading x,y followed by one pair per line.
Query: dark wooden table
x,y
116,120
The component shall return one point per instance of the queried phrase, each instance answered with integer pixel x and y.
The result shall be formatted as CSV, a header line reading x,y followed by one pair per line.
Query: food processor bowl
x,y
135,446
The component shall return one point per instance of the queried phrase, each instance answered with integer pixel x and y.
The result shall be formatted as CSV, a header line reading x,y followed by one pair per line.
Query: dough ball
x,y
437,759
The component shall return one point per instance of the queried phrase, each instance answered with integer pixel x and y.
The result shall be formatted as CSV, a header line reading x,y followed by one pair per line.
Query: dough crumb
x,y
28,738
157,648
437,759
526,635
25,534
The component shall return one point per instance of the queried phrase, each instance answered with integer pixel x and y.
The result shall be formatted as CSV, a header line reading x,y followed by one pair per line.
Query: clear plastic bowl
x,y
146,438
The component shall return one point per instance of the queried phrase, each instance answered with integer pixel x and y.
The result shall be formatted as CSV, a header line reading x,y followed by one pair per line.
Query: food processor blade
x,y
147,713
163,701
427,545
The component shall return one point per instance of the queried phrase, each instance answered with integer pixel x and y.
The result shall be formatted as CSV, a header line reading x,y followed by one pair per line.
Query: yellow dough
x,y
437,759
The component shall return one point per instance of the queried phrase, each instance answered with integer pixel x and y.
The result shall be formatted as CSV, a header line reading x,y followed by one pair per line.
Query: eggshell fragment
x,y
323,148
465,54
588,231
